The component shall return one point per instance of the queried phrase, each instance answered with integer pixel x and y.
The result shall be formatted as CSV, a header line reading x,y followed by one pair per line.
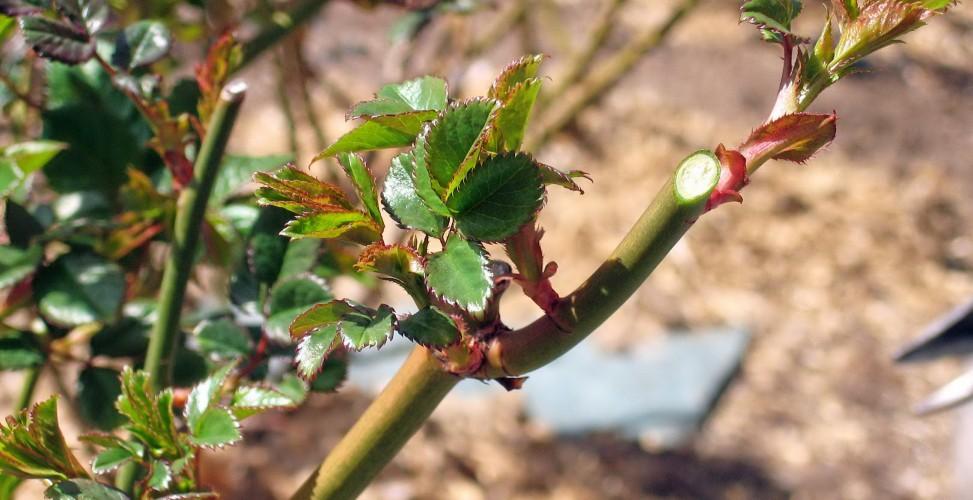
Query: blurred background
x,y
793,304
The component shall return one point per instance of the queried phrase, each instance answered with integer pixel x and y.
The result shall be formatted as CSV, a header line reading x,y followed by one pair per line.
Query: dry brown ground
x,y
832,265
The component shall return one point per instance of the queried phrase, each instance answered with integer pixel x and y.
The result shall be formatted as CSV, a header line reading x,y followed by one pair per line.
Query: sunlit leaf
x,y
460,274
430,327
141,44
402,201
32,445
454,139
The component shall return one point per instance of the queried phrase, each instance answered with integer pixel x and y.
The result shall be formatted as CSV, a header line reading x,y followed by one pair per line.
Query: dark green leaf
x,y
430,327
460,274
422,94
87,15
160,476
56,40
222,339
80,288
19,351
332,375
128,336
82,489
498,197
453,142
403,202
21,226
425,185
289,299
32,445
300,257
141,44
266,255
17,264
97,387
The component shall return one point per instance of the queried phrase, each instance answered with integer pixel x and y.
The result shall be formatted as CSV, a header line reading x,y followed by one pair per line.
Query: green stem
x,y
189,217
603,78
387,424
31,375
422,383
281,24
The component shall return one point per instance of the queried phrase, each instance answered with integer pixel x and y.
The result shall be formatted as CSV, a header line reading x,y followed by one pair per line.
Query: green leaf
x,y
515,73
222,339
82,489
460,274
19,351
290,298
150,415
17,264
237,171
319,316
111,459
56,40
314,348
21,226
214,428
361,178
381,132
332,375
349,225
402,201
11,177
206,395
141,44
266,256
97,387
249,400
361,329
422,94
80,288
292,387
430,327
774,16
31,156
513,116
160,476
498,197
300,257
425,186
104,130
32,445
453,142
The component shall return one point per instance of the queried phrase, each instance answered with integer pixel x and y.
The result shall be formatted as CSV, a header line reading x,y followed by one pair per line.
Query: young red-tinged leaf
x,y
430,327
515,73
402,201
364,328
361,178
87,15
319,316
249,400
32,445
349,225
426,93
454,139
460,274
17,8
314,348
879,23
512,118
398,264
150,415
380,132
551,176
733,178
300,189
794,137
215,427
58,41
141,44
222,59
498,197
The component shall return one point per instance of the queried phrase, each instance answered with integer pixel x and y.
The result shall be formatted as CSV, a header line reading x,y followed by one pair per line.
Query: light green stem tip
x,y
696,177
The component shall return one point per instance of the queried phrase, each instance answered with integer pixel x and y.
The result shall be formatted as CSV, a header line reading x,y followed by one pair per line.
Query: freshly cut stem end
x,y
696,177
